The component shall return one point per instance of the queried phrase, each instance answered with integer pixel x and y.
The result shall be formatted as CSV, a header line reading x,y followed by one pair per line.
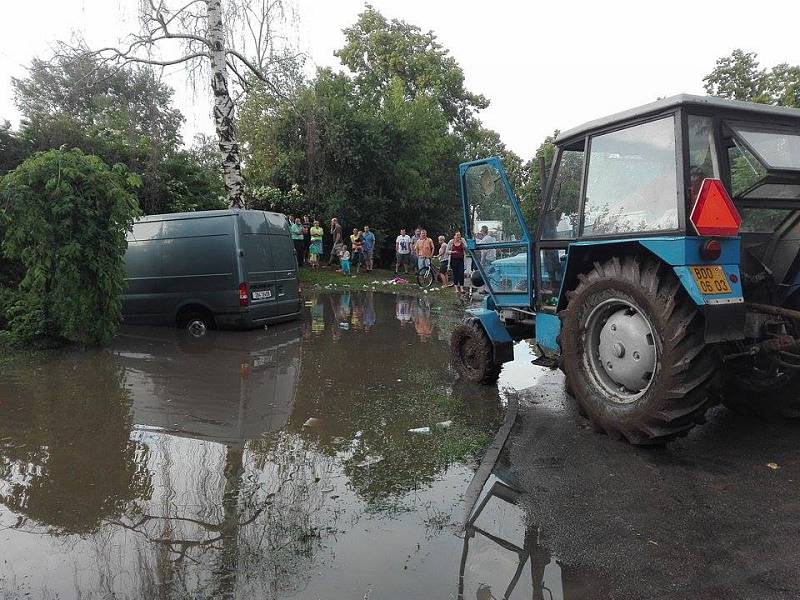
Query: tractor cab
x,y
638,174
666,230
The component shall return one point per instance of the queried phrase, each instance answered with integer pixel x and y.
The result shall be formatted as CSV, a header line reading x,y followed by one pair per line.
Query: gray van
x,y
225,268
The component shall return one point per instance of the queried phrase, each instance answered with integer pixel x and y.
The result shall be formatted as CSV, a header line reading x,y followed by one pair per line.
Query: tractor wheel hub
x,y
626,350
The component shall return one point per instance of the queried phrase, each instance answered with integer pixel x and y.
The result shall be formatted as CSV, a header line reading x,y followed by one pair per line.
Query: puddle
x,y
263,464
503,555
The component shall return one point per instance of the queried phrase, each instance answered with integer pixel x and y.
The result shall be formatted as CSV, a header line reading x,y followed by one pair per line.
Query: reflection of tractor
x,y
645,282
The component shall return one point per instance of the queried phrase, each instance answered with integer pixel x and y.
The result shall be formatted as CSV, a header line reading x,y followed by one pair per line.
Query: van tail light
x,y
711,250
244,294
714,212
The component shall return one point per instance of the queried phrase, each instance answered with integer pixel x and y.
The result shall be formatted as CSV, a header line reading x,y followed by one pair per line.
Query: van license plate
x,y
711,279
262,294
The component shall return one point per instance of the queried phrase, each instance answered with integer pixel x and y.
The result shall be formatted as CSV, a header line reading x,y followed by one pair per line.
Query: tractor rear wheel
x,y
472,355
634,352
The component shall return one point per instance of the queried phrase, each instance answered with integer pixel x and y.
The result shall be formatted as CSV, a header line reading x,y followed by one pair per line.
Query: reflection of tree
x,y
365,413
66,460
228,520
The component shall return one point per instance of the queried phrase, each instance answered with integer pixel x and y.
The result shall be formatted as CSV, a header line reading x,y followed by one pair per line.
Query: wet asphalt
x,y
715,515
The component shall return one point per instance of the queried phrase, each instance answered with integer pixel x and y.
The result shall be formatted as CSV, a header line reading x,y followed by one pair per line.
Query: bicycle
x,y
428,274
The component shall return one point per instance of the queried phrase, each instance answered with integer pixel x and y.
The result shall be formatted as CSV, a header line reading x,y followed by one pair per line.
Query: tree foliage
x,y
123,115
377,145
65,216
741,77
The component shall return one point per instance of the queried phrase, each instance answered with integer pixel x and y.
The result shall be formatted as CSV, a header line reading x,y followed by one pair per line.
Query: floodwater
x,y
279,464
262,464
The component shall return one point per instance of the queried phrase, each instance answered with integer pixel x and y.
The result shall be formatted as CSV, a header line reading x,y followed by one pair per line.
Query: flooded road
x,y
262,464
279,464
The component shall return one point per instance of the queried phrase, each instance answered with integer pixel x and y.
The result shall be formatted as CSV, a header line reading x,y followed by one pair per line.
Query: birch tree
x,y
236,43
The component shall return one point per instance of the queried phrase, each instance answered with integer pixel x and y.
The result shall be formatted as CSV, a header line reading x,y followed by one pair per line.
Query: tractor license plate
x,y
711,280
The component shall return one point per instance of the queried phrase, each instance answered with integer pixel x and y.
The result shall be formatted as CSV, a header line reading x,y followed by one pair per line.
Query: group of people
x,y
307,239
360,252
412,253
418,250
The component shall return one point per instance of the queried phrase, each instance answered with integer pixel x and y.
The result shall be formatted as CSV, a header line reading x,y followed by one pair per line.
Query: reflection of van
x,y
228,268
228,387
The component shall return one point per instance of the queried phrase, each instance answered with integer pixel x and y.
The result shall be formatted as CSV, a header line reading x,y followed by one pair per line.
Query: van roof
x,y
201,214
715,105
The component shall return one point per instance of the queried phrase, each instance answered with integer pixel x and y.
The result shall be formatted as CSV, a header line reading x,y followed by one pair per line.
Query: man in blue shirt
x,y
369,246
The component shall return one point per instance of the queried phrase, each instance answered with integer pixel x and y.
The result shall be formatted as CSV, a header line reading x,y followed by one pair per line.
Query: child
x,y
344,261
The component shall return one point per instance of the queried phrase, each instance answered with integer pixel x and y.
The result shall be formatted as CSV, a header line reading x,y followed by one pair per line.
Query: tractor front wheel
x,y
634,353
472,355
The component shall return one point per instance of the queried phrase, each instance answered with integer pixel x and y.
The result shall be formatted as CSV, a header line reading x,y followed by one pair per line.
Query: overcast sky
x,y
543,65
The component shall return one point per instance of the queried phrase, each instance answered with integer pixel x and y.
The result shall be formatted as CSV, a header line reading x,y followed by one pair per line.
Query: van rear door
x,y
286,274
258,264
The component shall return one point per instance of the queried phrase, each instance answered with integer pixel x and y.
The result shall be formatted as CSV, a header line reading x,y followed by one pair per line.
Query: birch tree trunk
x,y
224,107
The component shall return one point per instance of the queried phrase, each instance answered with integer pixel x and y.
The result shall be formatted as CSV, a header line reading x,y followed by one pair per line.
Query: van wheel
x,y
196,323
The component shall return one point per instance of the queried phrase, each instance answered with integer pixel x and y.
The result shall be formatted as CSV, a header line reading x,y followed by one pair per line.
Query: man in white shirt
x,y
402,249
487,256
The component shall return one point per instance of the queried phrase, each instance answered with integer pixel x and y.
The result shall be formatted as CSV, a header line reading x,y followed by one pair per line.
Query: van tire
x,y
196,323
677,395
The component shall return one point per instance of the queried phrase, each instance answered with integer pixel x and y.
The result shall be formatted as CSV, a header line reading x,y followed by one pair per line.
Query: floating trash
x,y
311,422
420,430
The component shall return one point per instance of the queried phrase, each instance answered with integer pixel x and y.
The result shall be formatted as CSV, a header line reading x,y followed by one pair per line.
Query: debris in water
x,y
311,422
423,430
369,461
773,466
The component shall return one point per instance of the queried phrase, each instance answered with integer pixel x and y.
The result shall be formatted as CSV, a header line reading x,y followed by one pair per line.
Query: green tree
x,y
381,52
123,115
65,216
740,77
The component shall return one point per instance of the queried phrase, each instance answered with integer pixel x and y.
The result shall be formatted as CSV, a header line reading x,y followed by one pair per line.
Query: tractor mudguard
x,y
725,313
502,344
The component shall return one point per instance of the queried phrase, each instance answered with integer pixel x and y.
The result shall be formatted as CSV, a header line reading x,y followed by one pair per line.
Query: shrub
x,y
65,216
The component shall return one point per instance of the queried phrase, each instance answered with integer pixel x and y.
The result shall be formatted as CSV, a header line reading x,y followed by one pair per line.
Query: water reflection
x,y
235,467
503,556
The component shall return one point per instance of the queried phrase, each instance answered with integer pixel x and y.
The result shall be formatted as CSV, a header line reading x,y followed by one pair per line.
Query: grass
x,y
328,279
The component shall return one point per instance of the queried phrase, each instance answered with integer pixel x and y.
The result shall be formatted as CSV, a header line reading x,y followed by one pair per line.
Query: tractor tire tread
x,y
679,398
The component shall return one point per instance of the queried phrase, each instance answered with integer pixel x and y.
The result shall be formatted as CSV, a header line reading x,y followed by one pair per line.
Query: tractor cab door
x,y
558,225
497,237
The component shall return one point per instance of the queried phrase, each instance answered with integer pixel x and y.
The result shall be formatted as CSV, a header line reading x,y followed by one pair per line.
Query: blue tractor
x,y
664,274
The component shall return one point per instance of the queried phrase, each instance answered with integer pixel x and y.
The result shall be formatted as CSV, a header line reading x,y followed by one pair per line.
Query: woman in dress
x,y
457,252
315,249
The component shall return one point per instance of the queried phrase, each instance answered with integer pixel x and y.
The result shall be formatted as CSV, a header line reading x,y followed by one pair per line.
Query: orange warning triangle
x,y
714,212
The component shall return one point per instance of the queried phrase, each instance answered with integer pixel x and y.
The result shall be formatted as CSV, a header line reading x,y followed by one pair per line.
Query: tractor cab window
x,y
632,183
490,205
560,220
701,155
